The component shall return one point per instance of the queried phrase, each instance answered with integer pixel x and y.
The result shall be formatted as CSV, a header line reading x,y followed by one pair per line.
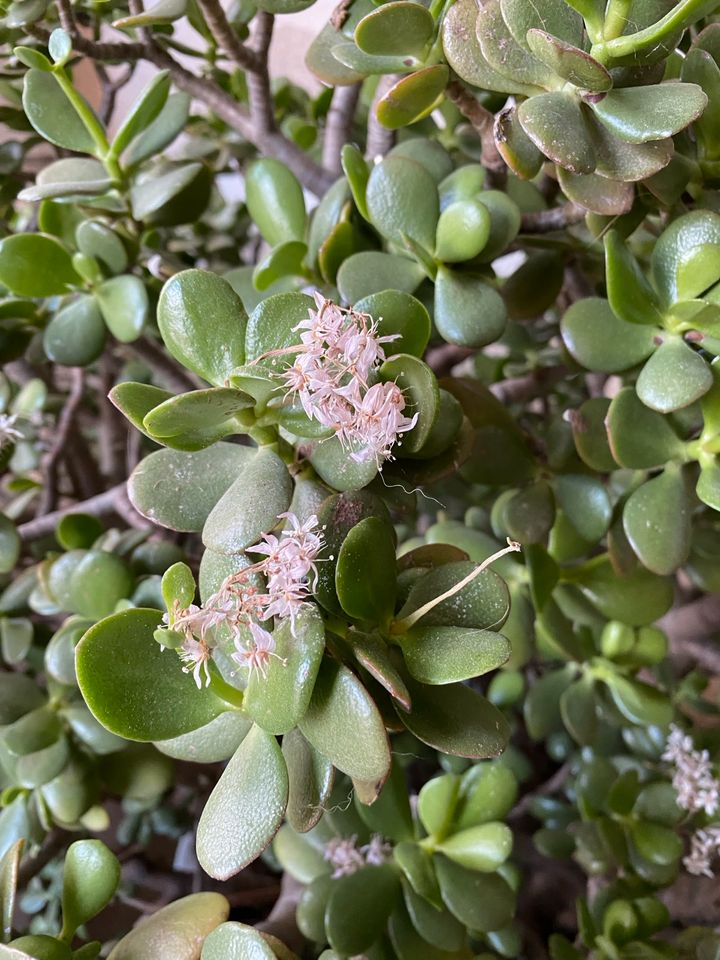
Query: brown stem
x,y
576,283
270,142
133,449
66,16
535,384
53,844
443,358
136,8
81,466
226,38
258,82
110,89
281,920
99,506
556,218
689,629
122,51
379,138
338,128
164,367
123,508
482,121
112,433
64,425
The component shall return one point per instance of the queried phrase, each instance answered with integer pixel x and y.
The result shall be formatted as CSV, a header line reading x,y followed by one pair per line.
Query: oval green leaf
x,y
246,807
133,687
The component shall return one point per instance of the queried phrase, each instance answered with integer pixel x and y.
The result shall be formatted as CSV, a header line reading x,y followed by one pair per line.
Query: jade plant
x,y
89,881
358,546
56,761
443,880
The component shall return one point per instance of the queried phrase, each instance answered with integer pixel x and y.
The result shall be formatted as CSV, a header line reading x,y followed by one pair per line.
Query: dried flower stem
x,y
401,626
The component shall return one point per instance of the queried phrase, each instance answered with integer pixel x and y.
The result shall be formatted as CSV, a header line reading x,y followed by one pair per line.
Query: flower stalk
x,y
402,626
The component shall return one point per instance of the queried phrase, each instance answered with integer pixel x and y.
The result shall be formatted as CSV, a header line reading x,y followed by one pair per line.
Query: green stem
x,y
616,18
171,44
709,446
336,625
574,574
223,689
263,435
91,123
682,14
438,9
84,111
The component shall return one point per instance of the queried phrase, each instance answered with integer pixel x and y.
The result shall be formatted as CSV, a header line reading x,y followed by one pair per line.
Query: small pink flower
x,y
257,656
8,433
195,654
286,605
361,347
323,326
380,422
343,855
302,539
290,573
694,778
704,848
377,852
290,560
338,353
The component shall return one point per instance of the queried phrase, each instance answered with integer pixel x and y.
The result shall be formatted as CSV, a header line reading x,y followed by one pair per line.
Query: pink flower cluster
x,y
704,848
698,791
8,432
291,576
290,561
332,375
345,857
693,778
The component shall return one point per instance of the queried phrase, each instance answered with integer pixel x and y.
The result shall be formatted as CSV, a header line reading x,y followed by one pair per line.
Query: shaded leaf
x,y
251,506
657,522
246,807
175,931
556,125
343,724
455,720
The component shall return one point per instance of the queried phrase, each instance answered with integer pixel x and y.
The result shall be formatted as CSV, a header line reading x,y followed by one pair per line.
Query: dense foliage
x,y
361,532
